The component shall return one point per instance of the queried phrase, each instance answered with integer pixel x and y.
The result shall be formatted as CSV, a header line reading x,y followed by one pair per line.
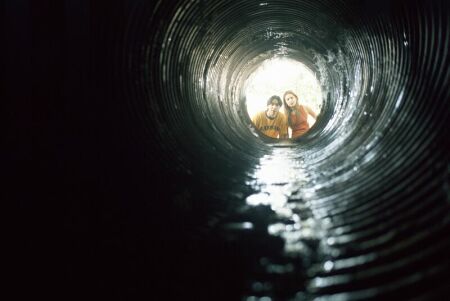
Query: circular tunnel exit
x,y
275,77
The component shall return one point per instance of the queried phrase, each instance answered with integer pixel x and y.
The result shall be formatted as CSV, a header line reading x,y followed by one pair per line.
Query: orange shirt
x,y
298,121
276,127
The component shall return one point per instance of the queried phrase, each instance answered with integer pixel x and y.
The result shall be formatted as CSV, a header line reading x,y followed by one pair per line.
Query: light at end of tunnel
x,y
278,75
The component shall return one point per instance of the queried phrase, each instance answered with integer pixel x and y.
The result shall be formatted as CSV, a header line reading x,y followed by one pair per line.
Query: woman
x,y
297,114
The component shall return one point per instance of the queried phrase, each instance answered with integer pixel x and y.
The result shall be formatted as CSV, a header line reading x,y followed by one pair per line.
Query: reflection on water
x,y
281,183
310,252
279,174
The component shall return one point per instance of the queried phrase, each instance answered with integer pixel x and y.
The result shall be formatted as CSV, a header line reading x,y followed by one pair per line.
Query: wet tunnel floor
x,y
260,250
275,244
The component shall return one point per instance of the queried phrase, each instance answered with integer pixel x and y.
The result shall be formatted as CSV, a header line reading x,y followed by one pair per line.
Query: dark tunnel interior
x,y
161,190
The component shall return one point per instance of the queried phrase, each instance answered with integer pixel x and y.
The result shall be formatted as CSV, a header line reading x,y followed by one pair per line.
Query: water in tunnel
x,y
167,193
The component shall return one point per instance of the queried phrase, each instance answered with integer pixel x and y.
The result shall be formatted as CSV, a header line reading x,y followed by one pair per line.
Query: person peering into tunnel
x,y
272,122
297,114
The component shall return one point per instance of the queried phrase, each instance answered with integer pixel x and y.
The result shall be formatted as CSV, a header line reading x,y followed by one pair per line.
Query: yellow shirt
x,y
275,128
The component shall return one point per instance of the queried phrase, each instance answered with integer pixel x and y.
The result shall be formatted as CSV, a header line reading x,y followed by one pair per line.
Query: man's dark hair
x,y
277,98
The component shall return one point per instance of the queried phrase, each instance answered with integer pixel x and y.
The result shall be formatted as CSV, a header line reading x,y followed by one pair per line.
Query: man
x,y
271,122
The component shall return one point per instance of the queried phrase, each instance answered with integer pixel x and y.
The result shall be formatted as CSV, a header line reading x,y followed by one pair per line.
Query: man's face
x,y
273,108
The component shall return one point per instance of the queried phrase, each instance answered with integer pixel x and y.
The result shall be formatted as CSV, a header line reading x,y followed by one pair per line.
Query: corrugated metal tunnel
x,y
178,198
362,202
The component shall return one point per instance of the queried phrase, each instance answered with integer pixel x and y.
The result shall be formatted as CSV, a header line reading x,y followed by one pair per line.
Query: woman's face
x,y
291,100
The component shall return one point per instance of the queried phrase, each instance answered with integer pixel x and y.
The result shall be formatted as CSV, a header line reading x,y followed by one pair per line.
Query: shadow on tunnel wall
x,y
145,152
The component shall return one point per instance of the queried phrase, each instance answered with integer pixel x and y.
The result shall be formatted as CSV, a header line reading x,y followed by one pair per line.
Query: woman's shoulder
x,y
297,108
303,107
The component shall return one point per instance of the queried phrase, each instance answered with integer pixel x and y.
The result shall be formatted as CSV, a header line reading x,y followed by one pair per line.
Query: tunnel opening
x,y
277,75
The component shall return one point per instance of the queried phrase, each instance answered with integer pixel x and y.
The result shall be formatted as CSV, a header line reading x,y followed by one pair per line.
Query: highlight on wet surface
x,y
281,183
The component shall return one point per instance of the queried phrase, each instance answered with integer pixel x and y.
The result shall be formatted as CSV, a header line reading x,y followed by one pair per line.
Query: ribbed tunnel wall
x,y
163,163
375,165
376,61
